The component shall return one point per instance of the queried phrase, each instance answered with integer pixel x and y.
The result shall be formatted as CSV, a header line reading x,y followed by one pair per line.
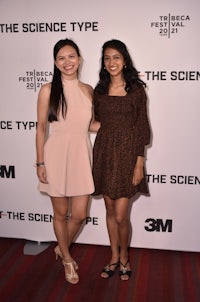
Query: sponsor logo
x,y
169,25
173,179
158,225
32,27
34,79
19,125
38,217
21,216
174,75
7,171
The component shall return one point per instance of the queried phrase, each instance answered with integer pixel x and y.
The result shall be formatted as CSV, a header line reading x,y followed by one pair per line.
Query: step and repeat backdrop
x,y
163,39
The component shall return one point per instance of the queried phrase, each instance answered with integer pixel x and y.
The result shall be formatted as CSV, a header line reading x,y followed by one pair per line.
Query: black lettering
x,y
158,225
88,219
151,225
185,75
44,27
7,172
6,125
187,180
40,217
9,28
161,226
30,216
95,221
25,27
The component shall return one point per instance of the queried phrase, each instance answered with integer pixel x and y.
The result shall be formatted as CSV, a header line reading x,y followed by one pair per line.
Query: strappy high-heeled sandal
x,y
72,277
109,271
124,271
58,253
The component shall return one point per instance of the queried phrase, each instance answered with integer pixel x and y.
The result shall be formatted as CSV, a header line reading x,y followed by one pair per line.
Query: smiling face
x,y
68,61
113,61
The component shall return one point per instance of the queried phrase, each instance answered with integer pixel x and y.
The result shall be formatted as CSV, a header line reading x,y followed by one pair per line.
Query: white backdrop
x,y
163,39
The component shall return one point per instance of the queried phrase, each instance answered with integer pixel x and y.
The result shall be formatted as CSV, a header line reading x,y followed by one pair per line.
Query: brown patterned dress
x,y
122,137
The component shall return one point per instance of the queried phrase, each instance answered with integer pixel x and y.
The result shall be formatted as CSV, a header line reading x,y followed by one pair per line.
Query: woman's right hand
x,y
42,174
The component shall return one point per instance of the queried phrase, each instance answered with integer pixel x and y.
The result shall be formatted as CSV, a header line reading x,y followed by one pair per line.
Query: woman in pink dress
x,y
64,159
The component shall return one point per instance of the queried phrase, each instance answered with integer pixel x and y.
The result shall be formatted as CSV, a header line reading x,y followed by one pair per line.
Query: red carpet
x,y
158,276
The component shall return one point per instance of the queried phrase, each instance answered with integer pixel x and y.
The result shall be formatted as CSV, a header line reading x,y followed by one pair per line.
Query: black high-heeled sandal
x,y
124,271
108,271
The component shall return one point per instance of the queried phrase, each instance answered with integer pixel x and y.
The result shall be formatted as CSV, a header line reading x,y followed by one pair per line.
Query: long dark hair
x,y
130,73
57,98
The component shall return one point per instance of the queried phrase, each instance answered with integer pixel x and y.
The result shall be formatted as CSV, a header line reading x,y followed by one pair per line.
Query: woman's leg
x,y
112,232
79,206
112,227
122,220
60,208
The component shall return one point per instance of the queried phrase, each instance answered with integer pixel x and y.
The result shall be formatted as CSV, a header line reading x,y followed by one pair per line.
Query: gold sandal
x,y
58,253
71,277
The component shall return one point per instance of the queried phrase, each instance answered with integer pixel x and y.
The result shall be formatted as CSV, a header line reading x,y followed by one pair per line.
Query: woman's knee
x,y
121,220
78,218
60,214
60,217
110,210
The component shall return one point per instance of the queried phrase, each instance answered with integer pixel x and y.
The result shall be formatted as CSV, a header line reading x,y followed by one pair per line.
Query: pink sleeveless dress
x,y
68,149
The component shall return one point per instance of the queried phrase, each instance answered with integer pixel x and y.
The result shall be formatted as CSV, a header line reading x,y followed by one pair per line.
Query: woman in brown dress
x,y
118,162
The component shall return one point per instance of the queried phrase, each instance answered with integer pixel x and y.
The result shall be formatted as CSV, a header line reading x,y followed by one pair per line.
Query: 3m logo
x,y
158,225
7,172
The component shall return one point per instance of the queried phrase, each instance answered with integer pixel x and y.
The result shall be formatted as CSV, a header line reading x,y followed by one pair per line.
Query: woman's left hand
x,y
138,173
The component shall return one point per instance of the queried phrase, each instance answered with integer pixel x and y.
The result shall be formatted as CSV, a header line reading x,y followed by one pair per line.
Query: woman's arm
x,y
94,125
42,116
142,137
138,173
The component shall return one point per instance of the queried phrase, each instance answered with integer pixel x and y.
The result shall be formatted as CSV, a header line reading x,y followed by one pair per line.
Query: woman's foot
x,y
125,271
109,270
58,253
70,272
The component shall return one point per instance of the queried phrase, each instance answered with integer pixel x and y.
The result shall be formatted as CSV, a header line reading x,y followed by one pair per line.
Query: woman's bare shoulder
x,y
45,89
87,89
